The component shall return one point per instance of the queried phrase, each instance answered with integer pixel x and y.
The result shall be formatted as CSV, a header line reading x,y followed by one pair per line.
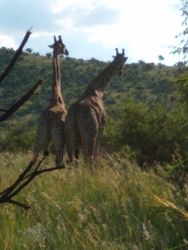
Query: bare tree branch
x,y
17,203
18,180
28,174
33,168
20,102
42,171
3,110
16,56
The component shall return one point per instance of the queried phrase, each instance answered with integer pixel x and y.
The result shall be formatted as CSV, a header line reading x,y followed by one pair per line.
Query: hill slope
x,y
145,110
140,80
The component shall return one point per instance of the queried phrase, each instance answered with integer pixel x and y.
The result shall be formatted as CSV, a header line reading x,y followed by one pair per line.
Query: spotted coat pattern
x,y
51,127
85,120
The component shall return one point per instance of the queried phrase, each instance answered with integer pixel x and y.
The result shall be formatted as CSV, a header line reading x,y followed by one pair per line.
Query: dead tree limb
x,y
33,168
20,102
29,173
16,56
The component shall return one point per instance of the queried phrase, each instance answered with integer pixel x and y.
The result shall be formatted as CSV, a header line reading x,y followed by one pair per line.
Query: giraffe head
x,y
59,47
119,61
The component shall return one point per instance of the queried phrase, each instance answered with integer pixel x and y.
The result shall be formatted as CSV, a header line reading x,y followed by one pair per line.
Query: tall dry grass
x,y
119,207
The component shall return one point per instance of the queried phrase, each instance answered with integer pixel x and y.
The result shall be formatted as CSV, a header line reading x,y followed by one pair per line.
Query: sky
x,y
94,28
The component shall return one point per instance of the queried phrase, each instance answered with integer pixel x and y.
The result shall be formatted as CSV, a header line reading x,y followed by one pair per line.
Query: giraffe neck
x,y
57,98
56,86
101,81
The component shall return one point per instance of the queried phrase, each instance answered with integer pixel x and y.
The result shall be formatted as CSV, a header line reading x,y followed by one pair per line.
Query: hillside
x,y
139,80
146,106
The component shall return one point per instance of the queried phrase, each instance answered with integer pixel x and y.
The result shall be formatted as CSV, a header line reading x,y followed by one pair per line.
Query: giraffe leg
x,y
58,140
71,137
88,144
97,145
76,154
98,140
71,146
88,126
42,141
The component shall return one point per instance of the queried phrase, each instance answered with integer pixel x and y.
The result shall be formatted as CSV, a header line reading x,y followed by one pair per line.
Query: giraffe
x,y
51,128
85,120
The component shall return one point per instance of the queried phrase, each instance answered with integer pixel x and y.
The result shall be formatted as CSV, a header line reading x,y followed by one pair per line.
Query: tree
x,y
161,58
183,48
48,55
33,168
29,50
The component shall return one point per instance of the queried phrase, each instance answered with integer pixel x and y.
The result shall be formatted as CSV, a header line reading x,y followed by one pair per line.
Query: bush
x,y
154,132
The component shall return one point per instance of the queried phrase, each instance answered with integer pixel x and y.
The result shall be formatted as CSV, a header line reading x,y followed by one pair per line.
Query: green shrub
x,y
154,132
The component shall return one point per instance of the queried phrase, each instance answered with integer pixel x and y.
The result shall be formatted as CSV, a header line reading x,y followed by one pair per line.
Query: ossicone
x,y
117,52
60,39
55,40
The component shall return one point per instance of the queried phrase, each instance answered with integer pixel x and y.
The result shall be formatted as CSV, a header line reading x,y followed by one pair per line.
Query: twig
x,y
17,203
45,171
28,174
20,102
25,181
3,110
15,57
18,180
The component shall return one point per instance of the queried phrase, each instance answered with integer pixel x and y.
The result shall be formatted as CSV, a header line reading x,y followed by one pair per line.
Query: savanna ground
x,y
119,207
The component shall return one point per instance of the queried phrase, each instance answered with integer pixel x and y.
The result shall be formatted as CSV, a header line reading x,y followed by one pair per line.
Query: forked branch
x,y
20,102
29,173
15,57
33,168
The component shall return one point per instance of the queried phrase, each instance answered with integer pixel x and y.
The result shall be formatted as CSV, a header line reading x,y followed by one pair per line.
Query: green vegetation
x,y
138,197
146,107
120,207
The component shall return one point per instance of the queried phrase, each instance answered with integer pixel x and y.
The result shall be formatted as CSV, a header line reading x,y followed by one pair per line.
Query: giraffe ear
x,y
66,52
50,46
55,40
60,40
